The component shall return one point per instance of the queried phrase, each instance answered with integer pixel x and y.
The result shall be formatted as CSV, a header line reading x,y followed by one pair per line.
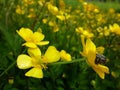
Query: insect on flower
x,y
100,59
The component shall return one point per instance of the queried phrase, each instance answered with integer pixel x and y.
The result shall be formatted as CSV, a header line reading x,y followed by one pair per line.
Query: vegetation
x,y
59,45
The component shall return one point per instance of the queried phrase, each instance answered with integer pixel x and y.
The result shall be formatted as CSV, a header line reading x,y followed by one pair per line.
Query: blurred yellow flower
x,y
44,20
63,16
54,25
115,28
111,10
53,9
65,56
28,2
85,33
32,39
89,51
20,9
106,31
31,13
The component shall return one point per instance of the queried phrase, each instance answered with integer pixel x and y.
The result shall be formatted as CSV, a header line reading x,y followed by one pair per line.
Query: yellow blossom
x,y
85,33
32,39
89,51
63,16
53,9
36,62
44,20
28,2
54,25
20,9
106,31
115,28
65,56
33,61
31,13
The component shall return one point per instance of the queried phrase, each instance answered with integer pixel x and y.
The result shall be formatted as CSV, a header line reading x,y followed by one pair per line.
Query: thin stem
x,y
56,63
63,62
8,68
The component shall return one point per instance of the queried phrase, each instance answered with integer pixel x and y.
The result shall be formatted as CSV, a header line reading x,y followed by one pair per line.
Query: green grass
x,y
106,5
102,5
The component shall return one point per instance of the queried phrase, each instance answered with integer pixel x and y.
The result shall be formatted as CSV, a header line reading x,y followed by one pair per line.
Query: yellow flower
x,y
53,9
89,51
115,28
36,62
86,33
32,39
54,25
65,56
33,61
20,9
28,2
63,16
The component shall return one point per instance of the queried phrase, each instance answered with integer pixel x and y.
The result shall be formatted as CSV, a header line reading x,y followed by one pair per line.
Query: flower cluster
x,y
35,59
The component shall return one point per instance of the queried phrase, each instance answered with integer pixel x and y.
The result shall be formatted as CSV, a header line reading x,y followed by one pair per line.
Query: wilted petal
x,y
52,54
35,72
24,61
25,33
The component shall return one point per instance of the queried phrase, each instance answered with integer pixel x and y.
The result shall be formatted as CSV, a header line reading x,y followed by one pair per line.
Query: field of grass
x,y
102,5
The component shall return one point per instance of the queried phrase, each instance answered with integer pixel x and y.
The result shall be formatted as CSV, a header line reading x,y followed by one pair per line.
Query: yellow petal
x,y
38,36
30,44
25,33
35,72
43,43
65,56
24,61
34,52
91,49
101,70
52,54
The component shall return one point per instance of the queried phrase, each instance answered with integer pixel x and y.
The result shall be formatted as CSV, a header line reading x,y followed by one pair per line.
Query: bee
x,y
100,59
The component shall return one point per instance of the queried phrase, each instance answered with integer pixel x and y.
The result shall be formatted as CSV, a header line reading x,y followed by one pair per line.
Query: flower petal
x,y
38,36
91,49
34,52
101,70
35,72
65,56
30,44
43,43
24,61
25,33
52,55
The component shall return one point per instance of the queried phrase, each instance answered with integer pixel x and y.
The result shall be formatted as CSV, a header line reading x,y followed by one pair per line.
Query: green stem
x,y
68,62
56,63
8,68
